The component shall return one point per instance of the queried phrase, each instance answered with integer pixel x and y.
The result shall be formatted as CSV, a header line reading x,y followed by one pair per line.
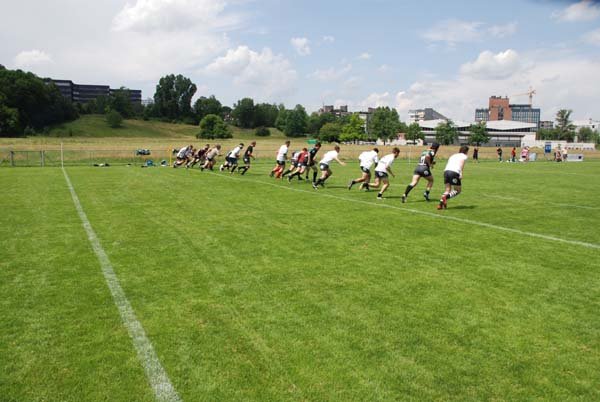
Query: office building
x,y
417,115
546,124
79,93
500,108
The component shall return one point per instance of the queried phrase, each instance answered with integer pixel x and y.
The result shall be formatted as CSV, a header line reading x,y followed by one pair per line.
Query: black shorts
x,y
302,165
246,160
231,160
365,170
210,159
381,175
422,171
451,177
294,163
281,163
323,166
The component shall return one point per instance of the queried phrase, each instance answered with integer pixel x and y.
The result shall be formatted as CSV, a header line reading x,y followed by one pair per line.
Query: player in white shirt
x,y
211,157
324,166
453,175
280,163
231,160
367,159
184,155
382,170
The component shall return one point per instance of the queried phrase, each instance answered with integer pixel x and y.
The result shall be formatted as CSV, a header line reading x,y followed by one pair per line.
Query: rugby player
x,y
231,160
312,161
280,162
382,170
248,154
184,155
423,169
211,156
293,163
324,166
367,159
199,157
453,176
301,165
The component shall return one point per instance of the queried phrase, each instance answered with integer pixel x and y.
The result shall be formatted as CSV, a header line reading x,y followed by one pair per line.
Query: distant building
x,y
500,108
594,125
501,132
148,102
342,111
546,124
78,93
417,115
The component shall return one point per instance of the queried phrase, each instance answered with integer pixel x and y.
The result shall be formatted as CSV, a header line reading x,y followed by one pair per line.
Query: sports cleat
x,y
314,185
403,198
426,196
440,206
444,201
379,197
289,179
221,168
271,174
350,185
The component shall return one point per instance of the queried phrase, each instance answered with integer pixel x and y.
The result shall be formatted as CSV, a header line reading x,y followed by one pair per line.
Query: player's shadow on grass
x,y
462,207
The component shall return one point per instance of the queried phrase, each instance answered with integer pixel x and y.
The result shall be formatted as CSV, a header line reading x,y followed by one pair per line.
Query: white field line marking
x,y
430,214
501,197
156,374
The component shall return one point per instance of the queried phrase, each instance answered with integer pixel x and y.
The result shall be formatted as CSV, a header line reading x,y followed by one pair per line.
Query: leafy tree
x,y
205,106
226,113
446,133
478,134
244,113
564,126
296,122
120,100
414,133
114,119
265,114
316,121
330,132
585,134
262,132
9,118
547,134
282,116
354,130
173,97
212,126
384,124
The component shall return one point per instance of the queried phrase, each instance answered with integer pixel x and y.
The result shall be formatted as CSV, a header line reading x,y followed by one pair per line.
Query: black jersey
x,y
423,159
249,151
312,154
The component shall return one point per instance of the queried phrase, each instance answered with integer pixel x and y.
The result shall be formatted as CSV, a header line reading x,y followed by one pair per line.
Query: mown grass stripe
x,y
156,374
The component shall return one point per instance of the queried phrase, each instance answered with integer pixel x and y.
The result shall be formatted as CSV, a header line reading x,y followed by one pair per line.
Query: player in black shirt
x,y
312,161
423,169
247,156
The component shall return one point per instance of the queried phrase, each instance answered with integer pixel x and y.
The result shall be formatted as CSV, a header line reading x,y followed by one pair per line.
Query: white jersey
x,y
455,163
368,158
283,150
329,156
384,163
183,152
235,152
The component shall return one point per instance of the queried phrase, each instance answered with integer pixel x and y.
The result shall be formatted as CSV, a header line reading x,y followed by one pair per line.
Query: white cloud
x,y
328,39
585,10
31,58
493,66
174,15
384,68
453,31
559,83
593,37
376,100
351,84
301,45
364,56
502,31
331,74
265,73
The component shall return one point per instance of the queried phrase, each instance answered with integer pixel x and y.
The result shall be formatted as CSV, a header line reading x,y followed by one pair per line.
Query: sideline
x,y
156,374
416,211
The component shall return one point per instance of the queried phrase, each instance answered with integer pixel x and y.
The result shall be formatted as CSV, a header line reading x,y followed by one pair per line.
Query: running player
x,y
184,155
324,166
231,160
312,161
211,157
382,170
302,163
199,157
367,159
453,176
247,156
293,163
423,169
281,158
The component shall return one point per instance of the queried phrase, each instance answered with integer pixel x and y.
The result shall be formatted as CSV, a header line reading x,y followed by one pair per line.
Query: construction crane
x,y
530,93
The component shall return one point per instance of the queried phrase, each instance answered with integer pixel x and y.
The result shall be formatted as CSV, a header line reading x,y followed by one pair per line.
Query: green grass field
x,y
254,289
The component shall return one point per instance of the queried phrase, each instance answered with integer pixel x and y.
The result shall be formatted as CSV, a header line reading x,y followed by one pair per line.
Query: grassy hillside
x,y
92,126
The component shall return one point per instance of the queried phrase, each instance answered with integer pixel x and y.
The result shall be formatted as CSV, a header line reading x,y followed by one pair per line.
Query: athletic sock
x,y
427,193
286,172
453,194
408,189
314,177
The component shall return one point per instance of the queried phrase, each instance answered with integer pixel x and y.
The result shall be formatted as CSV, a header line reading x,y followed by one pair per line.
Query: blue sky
x,y
448,55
